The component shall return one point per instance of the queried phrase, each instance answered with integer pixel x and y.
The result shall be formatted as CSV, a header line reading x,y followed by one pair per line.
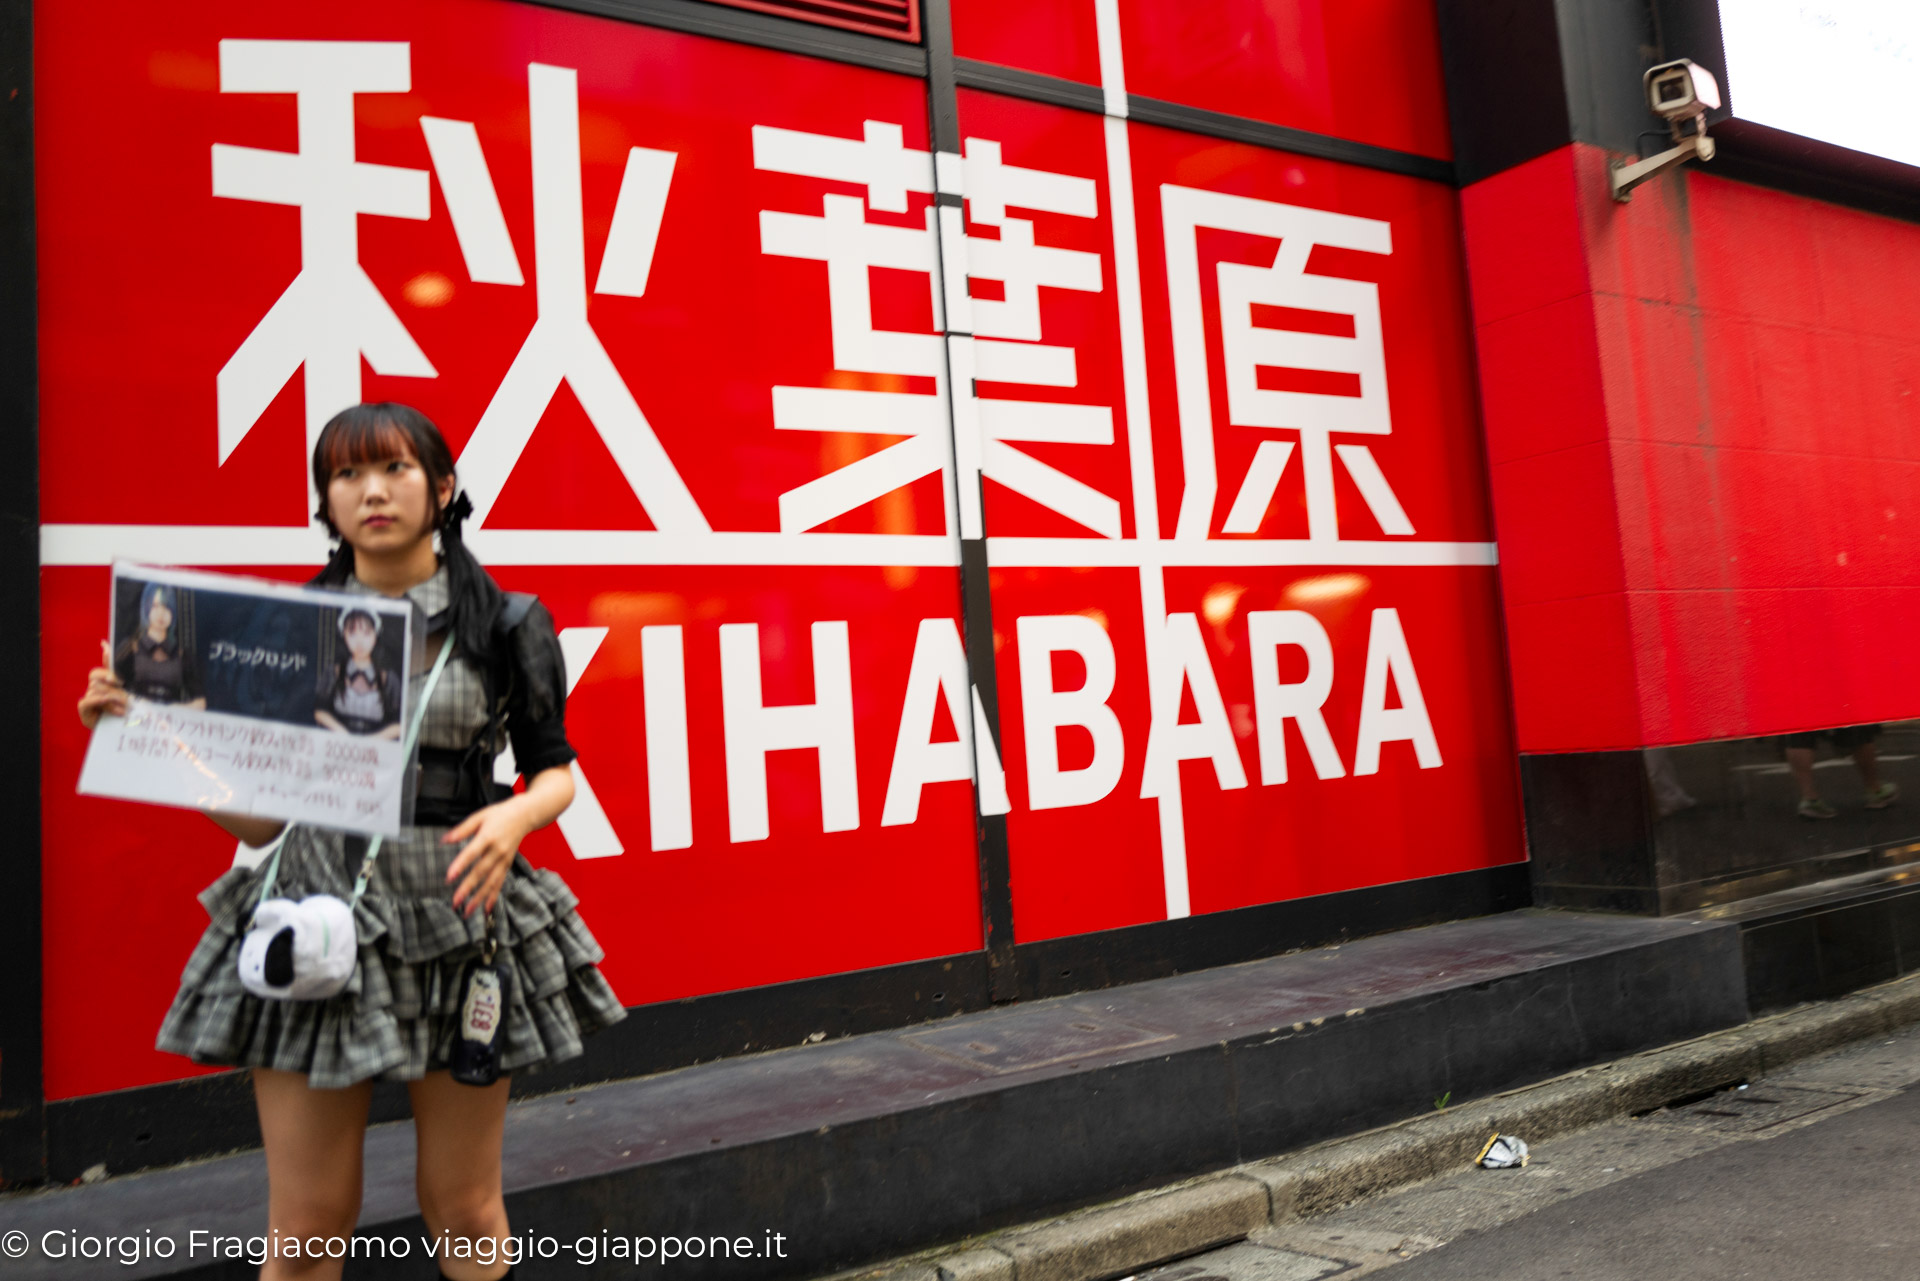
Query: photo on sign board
x,y
312,662
364,685
154,655
256,698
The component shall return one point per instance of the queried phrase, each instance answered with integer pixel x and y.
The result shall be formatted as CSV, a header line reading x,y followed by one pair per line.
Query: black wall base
x,y
1663,830
1821,941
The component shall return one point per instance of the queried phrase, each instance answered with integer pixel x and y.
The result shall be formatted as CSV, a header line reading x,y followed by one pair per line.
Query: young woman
x,y
387,487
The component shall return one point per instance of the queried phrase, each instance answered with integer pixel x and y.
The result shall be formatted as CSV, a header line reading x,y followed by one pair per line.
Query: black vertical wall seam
x,y
996,889
22,1093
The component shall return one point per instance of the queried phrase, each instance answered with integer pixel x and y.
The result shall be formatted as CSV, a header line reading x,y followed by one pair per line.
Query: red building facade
x,y
1018,484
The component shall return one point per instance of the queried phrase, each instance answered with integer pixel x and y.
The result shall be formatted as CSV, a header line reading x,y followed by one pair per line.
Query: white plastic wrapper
x,y
1503,1152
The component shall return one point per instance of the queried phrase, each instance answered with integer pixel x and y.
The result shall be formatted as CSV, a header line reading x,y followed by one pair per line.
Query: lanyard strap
x,y
406,754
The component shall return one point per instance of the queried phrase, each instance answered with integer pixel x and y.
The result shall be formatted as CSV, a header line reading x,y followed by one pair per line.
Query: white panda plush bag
x,y
301,951
306,950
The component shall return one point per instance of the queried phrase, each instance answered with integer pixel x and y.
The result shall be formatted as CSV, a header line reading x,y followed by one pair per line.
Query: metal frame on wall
x,y
159,1124
22,1133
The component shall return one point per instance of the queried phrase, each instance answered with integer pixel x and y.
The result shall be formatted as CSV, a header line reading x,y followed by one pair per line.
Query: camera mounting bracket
x,y
1625,177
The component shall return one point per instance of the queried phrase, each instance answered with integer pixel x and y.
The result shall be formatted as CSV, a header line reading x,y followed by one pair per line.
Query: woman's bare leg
x,y
459,1128
314,1140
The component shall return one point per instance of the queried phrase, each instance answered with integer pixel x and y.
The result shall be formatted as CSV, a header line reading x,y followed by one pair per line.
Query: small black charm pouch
x,y
485,986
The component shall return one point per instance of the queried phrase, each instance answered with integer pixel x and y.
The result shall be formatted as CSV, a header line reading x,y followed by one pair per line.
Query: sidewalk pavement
x,y
1625,1134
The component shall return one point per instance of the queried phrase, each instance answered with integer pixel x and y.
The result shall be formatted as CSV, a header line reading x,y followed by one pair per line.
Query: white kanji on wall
x,y
1005,346
1248,346
994,341
562,346
331,314
850,246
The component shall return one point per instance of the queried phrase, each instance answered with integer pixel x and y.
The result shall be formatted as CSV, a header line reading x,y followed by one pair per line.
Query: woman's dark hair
x,y
371,433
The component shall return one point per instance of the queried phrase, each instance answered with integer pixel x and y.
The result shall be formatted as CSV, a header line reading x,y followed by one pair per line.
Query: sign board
x,y
256,698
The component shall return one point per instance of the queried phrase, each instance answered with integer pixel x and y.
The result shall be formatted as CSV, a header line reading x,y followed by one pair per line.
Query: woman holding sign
x,y
454,930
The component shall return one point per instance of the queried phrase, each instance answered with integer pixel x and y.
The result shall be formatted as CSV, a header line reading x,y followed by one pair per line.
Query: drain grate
x,y
1749,1108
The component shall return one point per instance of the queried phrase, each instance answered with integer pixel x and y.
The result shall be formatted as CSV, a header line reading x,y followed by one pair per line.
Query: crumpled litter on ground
x,y
1503,1152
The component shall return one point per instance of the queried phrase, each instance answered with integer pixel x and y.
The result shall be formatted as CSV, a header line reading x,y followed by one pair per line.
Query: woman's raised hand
x,y
105,695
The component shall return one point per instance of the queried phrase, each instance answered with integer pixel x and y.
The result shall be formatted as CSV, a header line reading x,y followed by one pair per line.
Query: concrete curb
x,y
1126,1236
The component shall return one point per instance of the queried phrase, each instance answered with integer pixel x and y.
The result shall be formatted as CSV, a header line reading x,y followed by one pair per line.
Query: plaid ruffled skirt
x,y
399,1014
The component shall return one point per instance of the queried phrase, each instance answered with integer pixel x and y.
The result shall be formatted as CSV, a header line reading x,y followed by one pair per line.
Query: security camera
x,y
1679,92
1682,90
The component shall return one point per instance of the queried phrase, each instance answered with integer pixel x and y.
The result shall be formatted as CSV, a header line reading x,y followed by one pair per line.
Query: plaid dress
x,y
399,1014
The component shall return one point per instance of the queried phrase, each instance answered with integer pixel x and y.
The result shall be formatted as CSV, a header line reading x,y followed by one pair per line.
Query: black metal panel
x,y
1787,162
1673,829
1527,76
943,110
1590,831
996,875
1506,89
976,597
1171,115
1030,85
1605,47
763,30
1825,945
22,1137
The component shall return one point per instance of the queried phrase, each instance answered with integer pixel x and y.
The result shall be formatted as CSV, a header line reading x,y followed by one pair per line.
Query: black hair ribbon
x,y
456,514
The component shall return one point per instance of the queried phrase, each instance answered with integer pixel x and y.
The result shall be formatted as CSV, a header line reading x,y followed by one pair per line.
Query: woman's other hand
x,y
105,695
493,836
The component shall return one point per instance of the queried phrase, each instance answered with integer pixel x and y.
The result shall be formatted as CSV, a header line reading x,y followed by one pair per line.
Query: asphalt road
x,y
1811,1173
1840,1199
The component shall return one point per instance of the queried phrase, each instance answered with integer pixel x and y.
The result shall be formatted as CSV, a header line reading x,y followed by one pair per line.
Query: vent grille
x,y
894,19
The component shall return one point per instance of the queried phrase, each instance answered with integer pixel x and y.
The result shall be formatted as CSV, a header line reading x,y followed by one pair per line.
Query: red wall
x,y
1705,448
795,381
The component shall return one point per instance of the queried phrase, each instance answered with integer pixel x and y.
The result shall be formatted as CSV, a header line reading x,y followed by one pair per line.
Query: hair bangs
x,y
362,438
376,432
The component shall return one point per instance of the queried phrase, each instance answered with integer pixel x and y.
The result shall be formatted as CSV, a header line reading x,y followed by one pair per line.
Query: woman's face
x,y
159,616
385,505
360,636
